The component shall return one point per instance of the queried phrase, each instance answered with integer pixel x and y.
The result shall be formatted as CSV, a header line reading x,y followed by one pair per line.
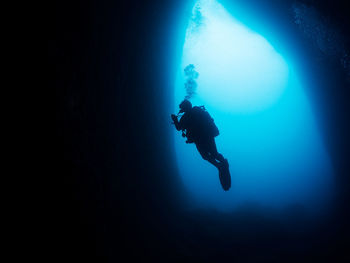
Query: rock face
x,y
119,193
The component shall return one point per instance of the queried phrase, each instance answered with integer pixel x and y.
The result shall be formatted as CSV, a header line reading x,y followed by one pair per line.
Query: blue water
x,y
267,126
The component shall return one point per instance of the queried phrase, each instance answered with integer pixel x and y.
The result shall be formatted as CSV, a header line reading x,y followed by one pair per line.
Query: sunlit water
x,y
267,127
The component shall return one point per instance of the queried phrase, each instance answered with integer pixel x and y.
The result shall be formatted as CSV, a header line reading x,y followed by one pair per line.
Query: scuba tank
x,y
205,122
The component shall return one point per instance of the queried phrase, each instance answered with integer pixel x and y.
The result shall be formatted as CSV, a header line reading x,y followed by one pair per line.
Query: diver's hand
x,y
173,117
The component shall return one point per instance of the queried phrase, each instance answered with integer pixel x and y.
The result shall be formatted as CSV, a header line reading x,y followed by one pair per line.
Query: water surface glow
x,y
268,129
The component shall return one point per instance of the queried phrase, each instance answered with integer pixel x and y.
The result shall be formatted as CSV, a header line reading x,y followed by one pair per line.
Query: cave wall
x,y
114,155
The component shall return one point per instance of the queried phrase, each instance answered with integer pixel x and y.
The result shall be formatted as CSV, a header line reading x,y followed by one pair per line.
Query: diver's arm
x,y
176,122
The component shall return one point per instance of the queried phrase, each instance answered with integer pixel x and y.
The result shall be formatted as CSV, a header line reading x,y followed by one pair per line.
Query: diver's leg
x,y
213,150
206,155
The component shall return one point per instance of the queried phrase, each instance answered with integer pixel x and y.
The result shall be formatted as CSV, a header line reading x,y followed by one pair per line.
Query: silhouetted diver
x,y
197,125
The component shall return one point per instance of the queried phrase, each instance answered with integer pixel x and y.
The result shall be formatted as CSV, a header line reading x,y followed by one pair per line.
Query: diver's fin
x,y
224,176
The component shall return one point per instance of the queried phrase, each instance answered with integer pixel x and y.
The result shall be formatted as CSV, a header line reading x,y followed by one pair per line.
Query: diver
x,y
197,125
